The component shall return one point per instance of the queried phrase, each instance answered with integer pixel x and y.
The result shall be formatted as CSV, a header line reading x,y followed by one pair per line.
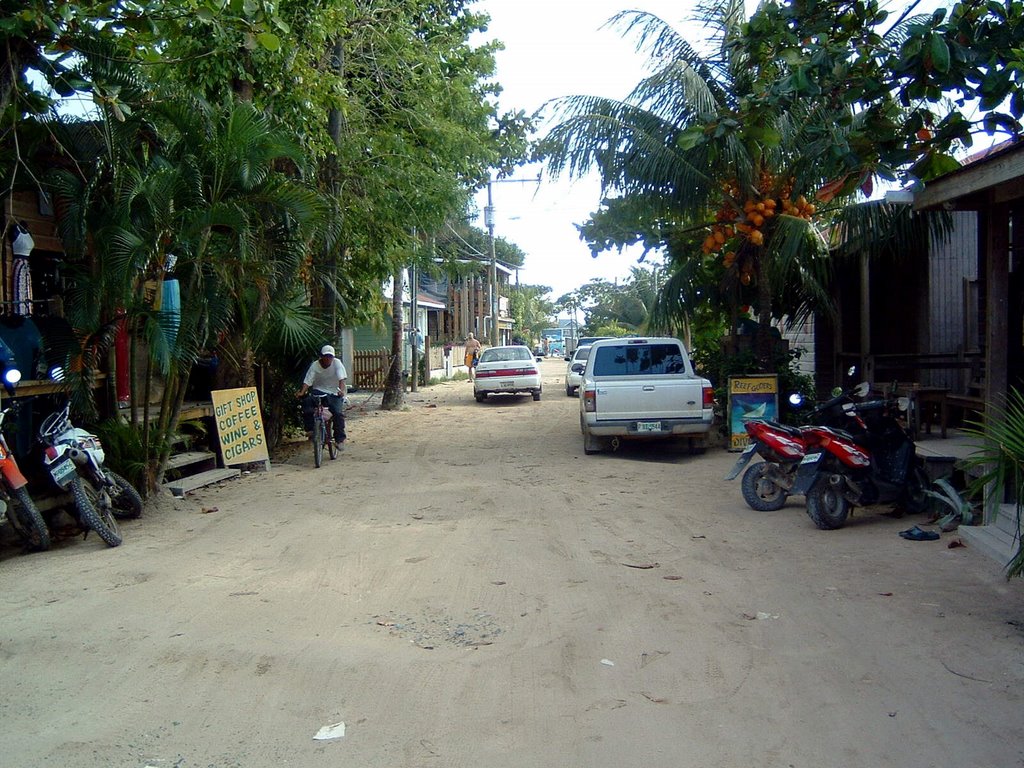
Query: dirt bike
x,y
767,484
840,471
16,505
74,458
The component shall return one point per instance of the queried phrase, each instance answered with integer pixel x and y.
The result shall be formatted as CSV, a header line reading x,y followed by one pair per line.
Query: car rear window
x,y
505,354
582,353
638,360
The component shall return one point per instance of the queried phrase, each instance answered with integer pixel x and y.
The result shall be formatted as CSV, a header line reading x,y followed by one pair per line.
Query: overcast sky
x,y
557,48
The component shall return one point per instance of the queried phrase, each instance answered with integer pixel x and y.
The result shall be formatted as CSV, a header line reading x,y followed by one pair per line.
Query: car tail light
x,y
507,372
590,400
709,397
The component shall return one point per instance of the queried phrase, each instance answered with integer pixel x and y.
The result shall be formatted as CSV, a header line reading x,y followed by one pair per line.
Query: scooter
x,y
767,484
840,471
16,506
74,458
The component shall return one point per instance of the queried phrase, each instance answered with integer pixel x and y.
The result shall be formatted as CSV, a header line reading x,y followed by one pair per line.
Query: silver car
x,y
574,370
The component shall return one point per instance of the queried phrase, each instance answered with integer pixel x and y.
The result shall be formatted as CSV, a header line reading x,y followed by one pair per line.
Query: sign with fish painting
x,y
750,397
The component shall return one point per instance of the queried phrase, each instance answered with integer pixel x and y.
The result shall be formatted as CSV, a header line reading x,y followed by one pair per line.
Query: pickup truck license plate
x,y
648,426
62,470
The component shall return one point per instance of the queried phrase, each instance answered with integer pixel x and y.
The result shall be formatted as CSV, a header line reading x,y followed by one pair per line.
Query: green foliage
x,y
125,453
998,464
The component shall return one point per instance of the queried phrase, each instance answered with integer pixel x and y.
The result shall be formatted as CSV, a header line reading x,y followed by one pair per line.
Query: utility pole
x,y
492,277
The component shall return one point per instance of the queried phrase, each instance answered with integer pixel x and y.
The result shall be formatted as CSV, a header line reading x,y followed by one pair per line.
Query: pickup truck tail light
x,y
589,400
709,397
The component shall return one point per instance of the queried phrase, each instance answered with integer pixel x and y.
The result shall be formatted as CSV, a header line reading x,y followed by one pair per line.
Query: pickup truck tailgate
x,y
672,397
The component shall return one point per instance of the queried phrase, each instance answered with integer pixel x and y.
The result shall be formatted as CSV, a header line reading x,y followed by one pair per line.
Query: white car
x,y
574,370
506,371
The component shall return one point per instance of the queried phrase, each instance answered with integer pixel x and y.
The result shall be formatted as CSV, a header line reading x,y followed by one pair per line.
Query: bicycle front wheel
x,y
318,442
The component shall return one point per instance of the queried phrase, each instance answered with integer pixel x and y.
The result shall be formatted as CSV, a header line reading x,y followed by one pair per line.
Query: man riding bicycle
x,y
327,375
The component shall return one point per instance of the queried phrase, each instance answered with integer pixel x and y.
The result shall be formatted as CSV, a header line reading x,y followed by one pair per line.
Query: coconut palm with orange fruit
x,y
735,157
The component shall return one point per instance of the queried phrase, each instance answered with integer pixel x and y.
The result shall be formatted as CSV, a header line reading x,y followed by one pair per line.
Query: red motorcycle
x,y
840,471
15,503
767,484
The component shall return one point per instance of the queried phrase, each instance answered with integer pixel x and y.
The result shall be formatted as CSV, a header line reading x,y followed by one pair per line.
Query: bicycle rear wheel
x,y
318,442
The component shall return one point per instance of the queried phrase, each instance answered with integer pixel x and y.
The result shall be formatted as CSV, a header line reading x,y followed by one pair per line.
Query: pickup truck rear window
x,y
638,360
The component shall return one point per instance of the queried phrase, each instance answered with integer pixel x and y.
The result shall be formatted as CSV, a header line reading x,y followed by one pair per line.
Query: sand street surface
x,y
463,587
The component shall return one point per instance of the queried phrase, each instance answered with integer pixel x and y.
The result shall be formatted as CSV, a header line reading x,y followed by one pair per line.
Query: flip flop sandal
x,y
916,534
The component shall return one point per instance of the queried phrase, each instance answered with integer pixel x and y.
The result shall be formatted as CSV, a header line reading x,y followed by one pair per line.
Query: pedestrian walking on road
x,y
473,347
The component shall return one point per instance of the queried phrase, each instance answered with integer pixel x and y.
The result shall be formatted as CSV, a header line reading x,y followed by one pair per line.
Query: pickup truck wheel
x,y
591,444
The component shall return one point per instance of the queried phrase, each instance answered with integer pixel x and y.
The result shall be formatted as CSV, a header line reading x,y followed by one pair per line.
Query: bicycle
x,y
322,432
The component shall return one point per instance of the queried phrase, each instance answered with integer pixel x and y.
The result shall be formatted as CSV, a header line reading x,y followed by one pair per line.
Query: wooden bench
x,y
970,405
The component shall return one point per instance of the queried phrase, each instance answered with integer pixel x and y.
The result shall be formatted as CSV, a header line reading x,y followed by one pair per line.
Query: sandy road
x,y
465,588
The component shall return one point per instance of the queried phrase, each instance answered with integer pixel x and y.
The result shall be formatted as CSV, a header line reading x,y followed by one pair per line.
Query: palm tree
x,y
738,204
193,187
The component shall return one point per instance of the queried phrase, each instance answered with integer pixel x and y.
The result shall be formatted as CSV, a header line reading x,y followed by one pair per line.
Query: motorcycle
x,y
840,471
767,484
74,458
16,505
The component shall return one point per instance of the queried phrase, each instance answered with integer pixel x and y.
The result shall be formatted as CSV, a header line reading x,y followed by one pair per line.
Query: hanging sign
x,y
750,397
239,425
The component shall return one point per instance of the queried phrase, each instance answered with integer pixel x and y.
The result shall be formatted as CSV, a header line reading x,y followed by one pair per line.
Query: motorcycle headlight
x,y
11,377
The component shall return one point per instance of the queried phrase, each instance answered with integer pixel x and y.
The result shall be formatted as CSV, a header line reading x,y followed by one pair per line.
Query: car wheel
x,y
480,396
536,395
568,391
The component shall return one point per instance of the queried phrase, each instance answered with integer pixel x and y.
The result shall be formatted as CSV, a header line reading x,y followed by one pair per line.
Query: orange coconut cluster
x,y
750,219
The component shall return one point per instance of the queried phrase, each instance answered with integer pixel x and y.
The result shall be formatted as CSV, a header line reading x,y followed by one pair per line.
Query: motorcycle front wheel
x,y
27,521
126,500
916,498
826,507
761,492
93,513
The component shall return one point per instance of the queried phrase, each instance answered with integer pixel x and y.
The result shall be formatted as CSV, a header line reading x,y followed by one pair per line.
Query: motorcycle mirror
x,y
796,399
851,370
861,389
837,391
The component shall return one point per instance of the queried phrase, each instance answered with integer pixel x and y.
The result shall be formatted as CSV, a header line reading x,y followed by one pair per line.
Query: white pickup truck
x,y
642,388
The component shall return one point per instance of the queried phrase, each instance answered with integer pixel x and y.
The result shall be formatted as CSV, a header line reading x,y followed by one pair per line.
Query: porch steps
x,y
189,483
197,469
998,539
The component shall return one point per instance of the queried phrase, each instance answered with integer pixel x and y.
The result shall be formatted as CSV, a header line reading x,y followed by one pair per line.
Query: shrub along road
x,y
463,587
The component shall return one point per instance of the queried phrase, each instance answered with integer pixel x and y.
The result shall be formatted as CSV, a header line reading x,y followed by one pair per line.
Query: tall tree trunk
x,y
394,389
764,317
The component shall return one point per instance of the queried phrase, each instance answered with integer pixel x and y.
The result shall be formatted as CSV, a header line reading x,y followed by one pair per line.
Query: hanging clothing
x,y
22,284
170,310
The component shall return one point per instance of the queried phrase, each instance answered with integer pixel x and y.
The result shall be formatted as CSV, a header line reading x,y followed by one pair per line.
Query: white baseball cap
x,y
327,349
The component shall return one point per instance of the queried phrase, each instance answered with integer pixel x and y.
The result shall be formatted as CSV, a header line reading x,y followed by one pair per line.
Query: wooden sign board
x,y
750,397
239,422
